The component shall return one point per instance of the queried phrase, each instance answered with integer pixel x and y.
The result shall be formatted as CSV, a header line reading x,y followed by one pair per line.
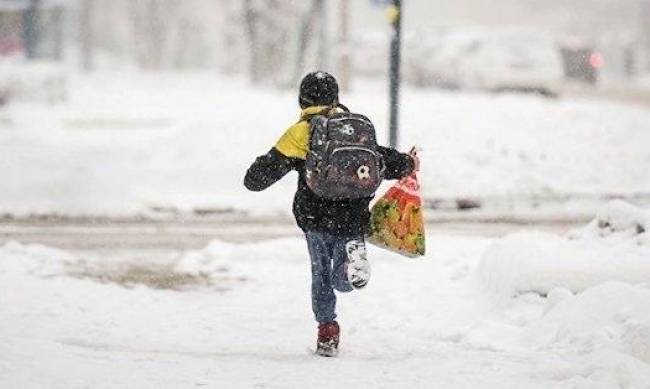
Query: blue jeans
x,y
328,272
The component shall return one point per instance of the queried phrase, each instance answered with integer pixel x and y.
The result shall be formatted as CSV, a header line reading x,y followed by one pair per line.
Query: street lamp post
x,y
395,59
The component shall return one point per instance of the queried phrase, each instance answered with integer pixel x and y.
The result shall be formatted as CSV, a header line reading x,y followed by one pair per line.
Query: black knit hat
x,y
318,88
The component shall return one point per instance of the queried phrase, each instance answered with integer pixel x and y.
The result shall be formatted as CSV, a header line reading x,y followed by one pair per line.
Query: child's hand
x,y
416,160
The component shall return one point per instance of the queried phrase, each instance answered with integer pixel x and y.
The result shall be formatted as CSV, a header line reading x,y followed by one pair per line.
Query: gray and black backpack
x,y
343,161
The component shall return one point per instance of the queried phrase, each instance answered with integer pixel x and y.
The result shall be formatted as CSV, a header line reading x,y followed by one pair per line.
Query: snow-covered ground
x,y
238,316
614,246
126,143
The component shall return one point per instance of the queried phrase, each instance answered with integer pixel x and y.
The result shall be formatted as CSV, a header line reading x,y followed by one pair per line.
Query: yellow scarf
x,y
294,143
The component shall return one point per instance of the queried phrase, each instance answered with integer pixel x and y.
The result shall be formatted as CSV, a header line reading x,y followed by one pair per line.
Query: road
x,y
97,234
616,94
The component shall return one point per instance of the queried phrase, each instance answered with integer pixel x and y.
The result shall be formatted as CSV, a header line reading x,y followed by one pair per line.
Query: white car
x,y
493,60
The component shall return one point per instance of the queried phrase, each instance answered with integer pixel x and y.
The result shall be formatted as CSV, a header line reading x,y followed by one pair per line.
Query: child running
x,y
339,167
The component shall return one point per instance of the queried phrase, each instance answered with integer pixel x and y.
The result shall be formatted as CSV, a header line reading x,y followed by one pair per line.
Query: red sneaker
x,y
328,339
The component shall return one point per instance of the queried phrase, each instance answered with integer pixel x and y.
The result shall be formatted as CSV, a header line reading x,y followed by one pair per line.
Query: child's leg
x,y
322,295
350,265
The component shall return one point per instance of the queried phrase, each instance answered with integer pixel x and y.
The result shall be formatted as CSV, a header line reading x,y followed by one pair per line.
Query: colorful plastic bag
x,y
396,219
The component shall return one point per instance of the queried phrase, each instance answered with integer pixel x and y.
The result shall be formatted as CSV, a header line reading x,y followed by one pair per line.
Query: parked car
x,y
434,61
493,60
581,64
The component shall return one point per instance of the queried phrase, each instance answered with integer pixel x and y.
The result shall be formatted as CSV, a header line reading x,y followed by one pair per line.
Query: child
x,y
334,229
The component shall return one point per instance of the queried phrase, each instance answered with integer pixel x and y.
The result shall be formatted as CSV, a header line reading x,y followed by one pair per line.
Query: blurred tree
x,y
268,28
304,38
251,19
86,34
152,25
57,19
645,32
246,36
344,45
323,44
314,16
30,28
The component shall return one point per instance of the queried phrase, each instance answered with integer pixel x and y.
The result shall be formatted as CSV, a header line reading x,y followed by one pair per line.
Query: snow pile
x,y
613,247
619,221
609,325
590,293
218,257
611,314
33,259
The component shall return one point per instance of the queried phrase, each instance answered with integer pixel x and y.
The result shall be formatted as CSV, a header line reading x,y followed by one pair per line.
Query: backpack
x,y
343,161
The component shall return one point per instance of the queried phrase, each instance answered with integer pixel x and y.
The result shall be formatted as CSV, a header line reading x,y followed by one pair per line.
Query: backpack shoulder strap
x,y
343,107
317,128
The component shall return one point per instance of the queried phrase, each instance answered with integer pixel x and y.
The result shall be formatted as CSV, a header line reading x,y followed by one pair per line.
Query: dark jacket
x,y
313,213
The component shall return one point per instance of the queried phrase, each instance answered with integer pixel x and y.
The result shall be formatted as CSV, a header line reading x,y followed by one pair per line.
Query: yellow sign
x,y
392,13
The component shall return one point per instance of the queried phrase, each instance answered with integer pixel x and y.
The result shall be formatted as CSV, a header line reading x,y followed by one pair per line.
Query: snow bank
x,y
613,247
609,326
16,258
613,314
218,256
618,221
595,287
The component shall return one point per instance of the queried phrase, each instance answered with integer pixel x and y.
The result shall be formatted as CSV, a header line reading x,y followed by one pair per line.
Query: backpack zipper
x,y
347,148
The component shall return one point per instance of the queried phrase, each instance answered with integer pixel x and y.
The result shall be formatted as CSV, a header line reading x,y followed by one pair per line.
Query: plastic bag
x,y
396,219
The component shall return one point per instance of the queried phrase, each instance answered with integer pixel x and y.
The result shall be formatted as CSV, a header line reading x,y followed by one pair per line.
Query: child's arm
x,y
398,164
284,157
267,170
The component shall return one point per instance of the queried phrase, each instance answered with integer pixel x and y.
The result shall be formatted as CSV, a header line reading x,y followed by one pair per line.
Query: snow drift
x,y
590,292
611,314
613,247
607,326
36,260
